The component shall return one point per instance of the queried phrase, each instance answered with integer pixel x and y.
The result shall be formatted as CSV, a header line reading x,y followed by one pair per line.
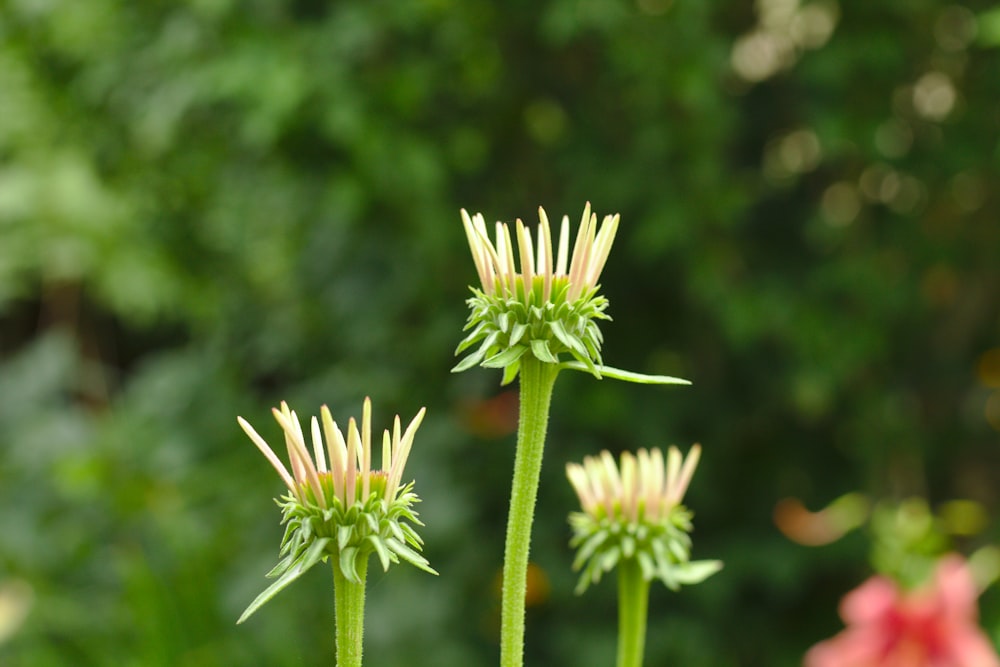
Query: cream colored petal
x,y
510,268
283,417
578,478
479,254
489,253
366,448
580,263
351,476
563,253
545,253
629,497
602,248
643,480
386,452
654,492
687,472
597,474
269,454
403,445
527,260
317,440
337,450
612,480
301,460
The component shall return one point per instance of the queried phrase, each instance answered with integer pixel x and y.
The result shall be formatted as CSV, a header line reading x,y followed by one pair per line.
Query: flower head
x,y
497,267
634,511
933,626
337,504
542,303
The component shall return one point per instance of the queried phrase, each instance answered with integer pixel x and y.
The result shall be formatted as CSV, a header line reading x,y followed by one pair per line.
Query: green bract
x,y
548,306
507,327
635,513
546,303
346,511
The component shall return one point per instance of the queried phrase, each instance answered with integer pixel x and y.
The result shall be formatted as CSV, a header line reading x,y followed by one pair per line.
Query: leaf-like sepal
x,y
626,376
302,565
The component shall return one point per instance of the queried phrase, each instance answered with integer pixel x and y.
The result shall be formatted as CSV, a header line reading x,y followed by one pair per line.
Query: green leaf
x,y
412,538
696,571
628,546
589,547
281,567
516,333
347,565
315,552
272,590
567,339
380,549
344,536
627,376
646,565
409,555
541,350
508,356
470,361
301,566
610,558
509,373
471,338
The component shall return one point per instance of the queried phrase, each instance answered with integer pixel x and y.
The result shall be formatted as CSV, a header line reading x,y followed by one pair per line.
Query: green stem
x,y
633,604
537,381
349,600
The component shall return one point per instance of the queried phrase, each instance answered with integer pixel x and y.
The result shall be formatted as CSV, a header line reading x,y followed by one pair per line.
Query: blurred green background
x,y
208,206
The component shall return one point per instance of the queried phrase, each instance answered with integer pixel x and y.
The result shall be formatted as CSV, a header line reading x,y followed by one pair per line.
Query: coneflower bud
x,y
337,505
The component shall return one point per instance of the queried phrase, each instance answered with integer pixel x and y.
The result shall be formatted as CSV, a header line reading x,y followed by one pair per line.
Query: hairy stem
x,y
537,381
633,605
349,600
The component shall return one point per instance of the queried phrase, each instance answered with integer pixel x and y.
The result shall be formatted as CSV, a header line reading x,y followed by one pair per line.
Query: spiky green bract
x,y
633,514
545,303
506,327
662,550
337,506
347,535
355,532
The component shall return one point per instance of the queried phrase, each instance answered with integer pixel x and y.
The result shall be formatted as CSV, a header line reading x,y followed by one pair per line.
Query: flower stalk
x,y
536,312
349,609
339,508
537,382
633,608
633,519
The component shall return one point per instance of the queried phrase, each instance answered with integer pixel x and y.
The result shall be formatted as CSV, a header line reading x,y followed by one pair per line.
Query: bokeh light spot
x,y
968,190
893,138
654,7
939,285
545,120
813,25
840,204
955,28
934,96
993,410
759,55
795,153
988,368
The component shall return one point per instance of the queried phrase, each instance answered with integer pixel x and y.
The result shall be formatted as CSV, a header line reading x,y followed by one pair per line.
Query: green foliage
x,y
506,327
350,537
662,548
209,206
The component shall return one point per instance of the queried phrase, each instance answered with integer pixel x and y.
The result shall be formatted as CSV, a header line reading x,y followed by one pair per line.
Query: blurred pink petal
x,y
934,626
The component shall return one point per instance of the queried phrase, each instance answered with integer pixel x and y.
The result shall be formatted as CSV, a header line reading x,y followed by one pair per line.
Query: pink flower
x,y
934,626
